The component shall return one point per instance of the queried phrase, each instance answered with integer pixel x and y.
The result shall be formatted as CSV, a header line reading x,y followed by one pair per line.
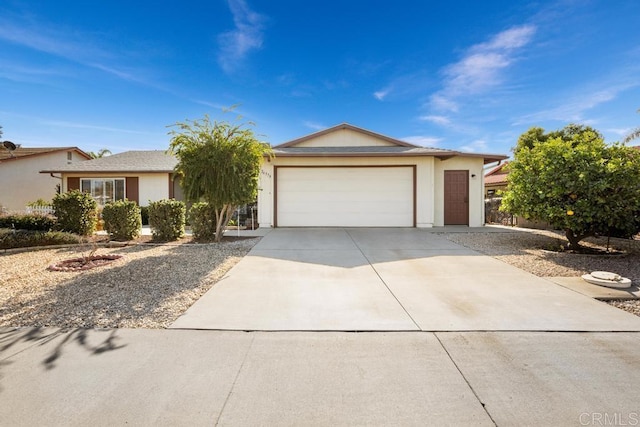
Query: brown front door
x,y
456,197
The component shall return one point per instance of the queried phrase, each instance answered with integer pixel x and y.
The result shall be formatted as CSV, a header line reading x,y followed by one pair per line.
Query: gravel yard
x,y
152,285
148,288
536,251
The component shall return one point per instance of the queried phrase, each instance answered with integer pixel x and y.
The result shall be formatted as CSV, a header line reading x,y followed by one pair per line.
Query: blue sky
x,y
465,75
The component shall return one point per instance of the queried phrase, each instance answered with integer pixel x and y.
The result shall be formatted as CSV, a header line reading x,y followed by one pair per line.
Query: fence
x,y
493,214
39,210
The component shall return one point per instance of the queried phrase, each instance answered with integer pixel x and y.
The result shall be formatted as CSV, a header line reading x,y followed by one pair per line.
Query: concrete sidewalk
x,y
389,280
203,378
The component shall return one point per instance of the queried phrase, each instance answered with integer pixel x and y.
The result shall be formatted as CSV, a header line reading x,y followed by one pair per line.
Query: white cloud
x,y
425,141
247,36
72,125
479,145
66,43
314,125
575,107
481,67
439,120
381,94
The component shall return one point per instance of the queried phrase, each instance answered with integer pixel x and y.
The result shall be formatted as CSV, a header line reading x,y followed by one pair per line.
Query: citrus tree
x,y
573,180
219,163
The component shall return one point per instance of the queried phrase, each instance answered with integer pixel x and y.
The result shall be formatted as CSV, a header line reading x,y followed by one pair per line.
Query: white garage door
x,y
345,196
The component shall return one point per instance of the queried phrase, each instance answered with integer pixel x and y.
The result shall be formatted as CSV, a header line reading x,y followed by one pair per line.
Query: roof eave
x,y
93,172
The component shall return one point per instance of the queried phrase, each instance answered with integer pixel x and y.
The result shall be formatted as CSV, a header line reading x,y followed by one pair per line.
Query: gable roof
x,y
128,161
396,148
24,152
341,127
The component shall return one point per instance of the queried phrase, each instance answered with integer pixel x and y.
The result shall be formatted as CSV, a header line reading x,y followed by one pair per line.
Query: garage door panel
x,y
349,196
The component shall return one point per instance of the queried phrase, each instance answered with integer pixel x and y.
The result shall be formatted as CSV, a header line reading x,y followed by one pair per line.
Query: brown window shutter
x,y
73,184
132,189
171,193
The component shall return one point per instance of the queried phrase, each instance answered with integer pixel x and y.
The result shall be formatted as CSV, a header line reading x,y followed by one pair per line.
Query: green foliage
x,y
219,163
38,203
122,220
28,222
167,218
202,218
76,212
26,238
101,153
573,180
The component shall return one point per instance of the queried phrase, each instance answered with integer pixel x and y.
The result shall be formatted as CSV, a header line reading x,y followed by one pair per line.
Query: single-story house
x,y
141,176
495,180
21,183
348,176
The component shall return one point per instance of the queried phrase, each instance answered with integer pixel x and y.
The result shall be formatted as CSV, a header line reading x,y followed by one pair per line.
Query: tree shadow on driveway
x,y
16,340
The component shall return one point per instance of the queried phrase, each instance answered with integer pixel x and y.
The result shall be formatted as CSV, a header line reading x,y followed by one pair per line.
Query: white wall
x,y
476,190
424,182
344,138
151,186
22,182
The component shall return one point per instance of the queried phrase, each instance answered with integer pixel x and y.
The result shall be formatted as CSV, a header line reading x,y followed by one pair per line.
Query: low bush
x,y
26,238
167,219
122,220
76,212
203,221
28,222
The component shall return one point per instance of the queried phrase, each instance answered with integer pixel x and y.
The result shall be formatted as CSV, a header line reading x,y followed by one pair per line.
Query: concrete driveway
x,y
388,280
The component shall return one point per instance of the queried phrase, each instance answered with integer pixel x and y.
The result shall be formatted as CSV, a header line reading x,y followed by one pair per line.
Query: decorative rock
x,y
607,279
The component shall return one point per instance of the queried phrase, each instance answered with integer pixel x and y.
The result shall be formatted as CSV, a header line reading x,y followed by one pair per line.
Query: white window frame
x,y
101,200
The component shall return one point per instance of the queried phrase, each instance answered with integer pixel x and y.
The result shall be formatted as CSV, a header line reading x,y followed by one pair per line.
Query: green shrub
x,y
122,220
167,218
26,238
203,221
144,213
38,203
28,222
77,212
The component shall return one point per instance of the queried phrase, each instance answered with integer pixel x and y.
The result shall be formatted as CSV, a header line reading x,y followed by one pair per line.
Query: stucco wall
x,y
344,138
22,182
151,186
476,190
424,182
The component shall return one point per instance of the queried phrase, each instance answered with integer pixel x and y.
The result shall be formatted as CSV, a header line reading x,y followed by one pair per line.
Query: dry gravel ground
x,y
536,251
152,285
149,287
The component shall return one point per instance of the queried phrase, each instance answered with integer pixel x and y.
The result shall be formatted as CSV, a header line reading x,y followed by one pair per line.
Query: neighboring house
x,y
348,176
495,180
20,180
140,176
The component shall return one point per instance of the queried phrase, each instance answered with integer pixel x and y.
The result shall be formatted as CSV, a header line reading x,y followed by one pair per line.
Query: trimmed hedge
x,y
28,222
167,219
203,221
26,238
122,220
77,212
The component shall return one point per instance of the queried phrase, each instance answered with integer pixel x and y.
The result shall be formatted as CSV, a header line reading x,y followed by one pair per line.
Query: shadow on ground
x,y
17,340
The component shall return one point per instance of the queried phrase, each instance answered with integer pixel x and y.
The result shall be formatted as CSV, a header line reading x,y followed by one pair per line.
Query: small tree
x,y
573,180
219,163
